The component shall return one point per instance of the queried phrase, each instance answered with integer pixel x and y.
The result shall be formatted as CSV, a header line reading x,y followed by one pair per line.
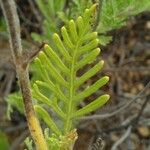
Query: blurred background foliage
x,y
111,14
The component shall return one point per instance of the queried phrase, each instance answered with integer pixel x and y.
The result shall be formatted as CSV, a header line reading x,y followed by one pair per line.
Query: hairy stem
x,y
9,10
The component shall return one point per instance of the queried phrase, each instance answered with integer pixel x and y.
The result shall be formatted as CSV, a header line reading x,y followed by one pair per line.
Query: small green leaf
x,y
104,40
61,47
28,143
43,99
44,73
56,90
80,24
52,70
89,37
73,31
114,13
89,13
52,55
99,102
39,96
43,114
89,58
14,101
91,45
89,73
66,38
91,89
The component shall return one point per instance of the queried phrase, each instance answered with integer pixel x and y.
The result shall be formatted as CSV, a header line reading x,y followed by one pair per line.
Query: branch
x,y
29,55
136,120
131,124
13,24
11,17
125,135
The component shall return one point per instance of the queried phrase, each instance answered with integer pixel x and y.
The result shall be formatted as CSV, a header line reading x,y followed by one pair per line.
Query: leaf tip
x,y
86,10
79,19
63,29
102,63
55,35
35,85
36,107
41,53
106,96
36,59
94,6
97,40
95,33
71,21
98,50
106,78
37,82
46,46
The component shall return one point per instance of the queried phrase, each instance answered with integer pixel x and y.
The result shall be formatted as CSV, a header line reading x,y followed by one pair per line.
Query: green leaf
x,y
99,102
43,114
52,70
52,55
61,47
78,46
91,89
28,143
114,13
104,40
72,30
46,9
14,101
89,74
88,47
49,10
66,38
52,103
56,90
87,59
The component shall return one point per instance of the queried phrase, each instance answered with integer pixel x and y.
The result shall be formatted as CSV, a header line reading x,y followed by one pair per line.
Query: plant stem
x,y
33,123
9,10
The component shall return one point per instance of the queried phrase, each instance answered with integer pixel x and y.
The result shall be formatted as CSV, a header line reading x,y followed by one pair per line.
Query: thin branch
x,y
122,139
13,24
29,55
11,17
141,111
